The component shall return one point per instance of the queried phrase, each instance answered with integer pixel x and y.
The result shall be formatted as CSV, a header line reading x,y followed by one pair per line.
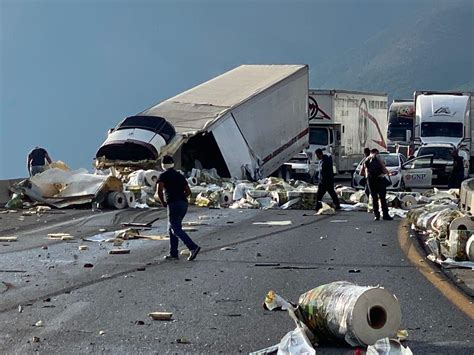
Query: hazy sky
x,y
71,69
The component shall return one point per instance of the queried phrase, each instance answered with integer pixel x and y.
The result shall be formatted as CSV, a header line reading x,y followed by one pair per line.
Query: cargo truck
x,y
342,123
444,119
401,115
246,123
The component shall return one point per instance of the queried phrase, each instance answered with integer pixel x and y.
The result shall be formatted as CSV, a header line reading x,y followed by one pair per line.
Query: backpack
x,y
373,166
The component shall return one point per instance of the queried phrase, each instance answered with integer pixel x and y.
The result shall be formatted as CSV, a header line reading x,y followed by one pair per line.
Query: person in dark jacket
x,y
457,175
326,180
366,183
36,160
375,170
176,190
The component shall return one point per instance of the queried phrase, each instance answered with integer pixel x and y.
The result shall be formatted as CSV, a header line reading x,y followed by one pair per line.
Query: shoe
x,y
171,257
194,253
338,208
377,218
387,218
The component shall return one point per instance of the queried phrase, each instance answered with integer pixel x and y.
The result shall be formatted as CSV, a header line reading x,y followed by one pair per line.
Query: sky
x,y
72,69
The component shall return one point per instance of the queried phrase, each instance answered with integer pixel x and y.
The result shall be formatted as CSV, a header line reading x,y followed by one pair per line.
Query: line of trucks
x,y
260,120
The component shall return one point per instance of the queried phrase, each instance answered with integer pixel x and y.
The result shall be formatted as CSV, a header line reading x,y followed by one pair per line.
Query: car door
x,y
418,172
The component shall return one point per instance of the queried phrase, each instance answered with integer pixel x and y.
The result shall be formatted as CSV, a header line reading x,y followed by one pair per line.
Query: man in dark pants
x,y
326,180
176,190
375,170
457,175
36,160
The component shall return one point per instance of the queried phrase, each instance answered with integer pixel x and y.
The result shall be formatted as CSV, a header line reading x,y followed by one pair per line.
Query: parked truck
x,y
401,115
342,123
443,122
246,123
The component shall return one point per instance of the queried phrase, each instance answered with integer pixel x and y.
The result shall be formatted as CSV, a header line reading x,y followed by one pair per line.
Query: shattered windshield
x,y
441,129
151,123
318,136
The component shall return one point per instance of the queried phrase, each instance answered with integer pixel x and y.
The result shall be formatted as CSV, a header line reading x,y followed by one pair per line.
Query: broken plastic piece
x,y
160,315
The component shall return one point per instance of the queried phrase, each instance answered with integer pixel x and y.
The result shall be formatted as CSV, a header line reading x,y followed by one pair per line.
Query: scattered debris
x,y
39,323
227,248
83,247
139,322
274,223
35,339
354,271
102,332
161,315
8,239
267,264
185,252
119,251
88,265
182,341
20,309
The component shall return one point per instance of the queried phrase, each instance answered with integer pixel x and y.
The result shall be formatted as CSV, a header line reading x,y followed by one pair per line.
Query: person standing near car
x,y
36,160
176,190
457,175
375,170
326,180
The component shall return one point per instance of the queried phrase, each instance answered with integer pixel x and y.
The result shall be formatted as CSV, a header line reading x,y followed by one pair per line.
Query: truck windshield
x,y
444,153
150,123
318,136
398,133
441,129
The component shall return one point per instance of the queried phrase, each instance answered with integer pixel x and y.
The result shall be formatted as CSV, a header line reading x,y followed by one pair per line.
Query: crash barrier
x,y
339,312
467,196
5,193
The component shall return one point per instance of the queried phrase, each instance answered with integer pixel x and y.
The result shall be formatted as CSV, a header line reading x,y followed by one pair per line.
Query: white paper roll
x,y
407,202
151,177
117,200
130,197
226,198
464,223
192,181
470,248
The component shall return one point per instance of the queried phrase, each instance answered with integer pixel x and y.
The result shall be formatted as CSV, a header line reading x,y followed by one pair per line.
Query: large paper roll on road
x,y
470,248
192,181
117,200
151,177
226,198
346,312
463,223
407,202
130,197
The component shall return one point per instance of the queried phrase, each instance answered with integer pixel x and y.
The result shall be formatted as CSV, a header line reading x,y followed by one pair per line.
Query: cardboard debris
x,y
161,315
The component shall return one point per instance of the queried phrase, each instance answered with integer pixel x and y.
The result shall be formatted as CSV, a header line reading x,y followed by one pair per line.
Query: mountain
x,y
428,50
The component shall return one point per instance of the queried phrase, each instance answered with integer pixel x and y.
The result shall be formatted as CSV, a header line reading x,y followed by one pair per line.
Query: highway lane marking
x,y
452,293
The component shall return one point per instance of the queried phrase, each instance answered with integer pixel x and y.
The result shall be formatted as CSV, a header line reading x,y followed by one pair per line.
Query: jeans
x,y
36,169
378,190
176,212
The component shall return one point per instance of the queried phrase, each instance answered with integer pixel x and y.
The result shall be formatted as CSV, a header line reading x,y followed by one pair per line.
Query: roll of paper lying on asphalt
x,y
151,177
463,223
130,197
470,248
192,181
407,202
226,198
117,200
346,312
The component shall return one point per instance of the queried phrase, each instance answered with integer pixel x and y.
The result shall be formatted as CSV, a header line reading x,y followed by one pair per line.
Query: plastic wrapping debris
x,y
341,311
326,210
295,343
15,202
455,246
388,346
359,196
291,204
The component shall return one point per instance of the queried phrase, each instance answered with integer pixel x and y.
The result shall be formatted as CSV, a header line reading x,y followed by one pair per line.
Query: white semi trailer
x,y
246,123
343,123
444,118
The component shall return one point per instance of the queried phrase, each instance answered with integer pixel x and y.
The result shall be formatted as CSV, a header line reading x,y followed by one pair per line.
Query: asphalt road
x,y
216,300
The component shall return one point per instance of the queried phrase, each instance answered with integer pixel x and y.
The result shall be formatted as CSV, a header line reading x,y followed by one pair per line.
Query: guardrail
x,y
5,193
466,193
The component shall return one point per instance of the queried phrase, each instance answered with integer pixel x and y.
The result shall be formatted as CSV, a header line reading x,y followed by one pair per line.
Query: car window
x,y
390,160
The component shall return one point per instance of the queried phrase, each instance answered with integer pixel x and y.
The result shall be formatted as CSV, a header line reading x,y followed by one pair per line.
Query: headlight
x,y
393,173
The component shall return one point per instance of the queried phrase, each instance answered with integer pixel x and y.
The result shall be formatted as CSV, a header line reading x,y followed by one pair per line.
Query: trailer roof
x,y
335,91
195,109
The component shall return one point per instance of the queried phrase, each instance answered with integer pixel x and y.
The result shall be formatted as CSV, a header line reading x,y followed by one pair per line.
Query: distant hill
x,y
430,50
